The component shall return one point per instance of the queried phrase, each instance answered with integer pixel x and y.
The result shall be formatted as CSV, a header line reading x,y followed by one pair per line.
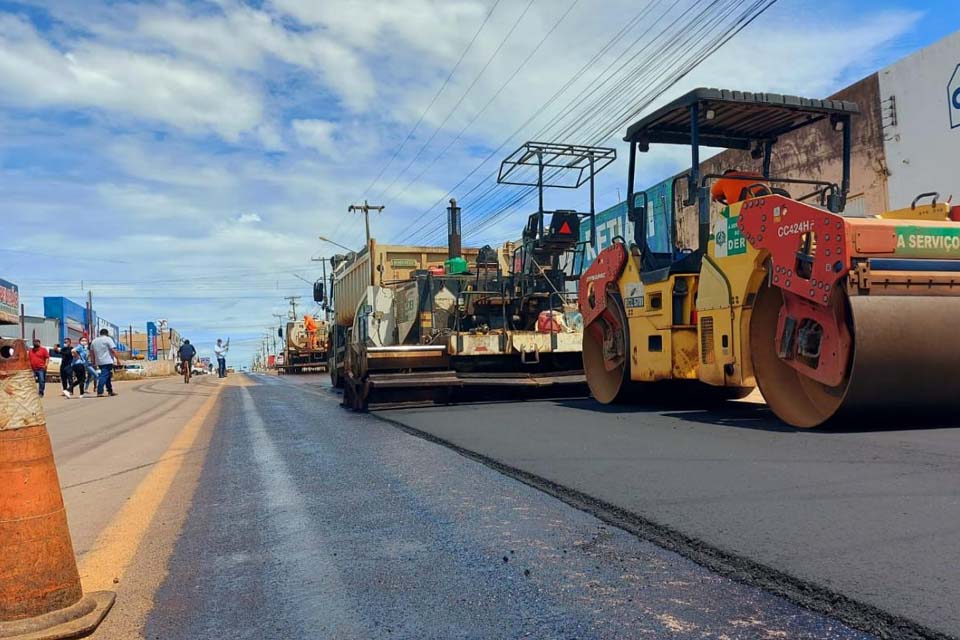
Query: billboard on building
x,y
613,222
113,329
151,341
9,303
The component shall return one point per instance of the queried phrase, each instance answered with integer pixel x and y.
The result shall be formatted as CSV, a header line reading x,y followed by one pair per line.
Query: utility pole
x,y
279,317
366,208
90,315
293,305
329,285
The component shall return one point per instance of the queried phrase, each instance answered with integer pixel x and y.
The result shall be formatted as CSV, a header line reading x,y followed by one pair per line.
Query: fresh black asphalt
x,y
313,522
863,521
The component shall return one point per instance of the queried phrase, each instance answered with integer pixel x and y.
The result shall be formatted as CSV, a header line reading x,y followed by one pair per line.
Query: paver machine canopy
x,y
759,279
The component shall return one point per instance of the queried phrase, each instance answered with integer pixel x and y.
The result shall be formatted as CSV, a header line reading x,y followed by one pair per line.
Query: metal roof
x,y
733,119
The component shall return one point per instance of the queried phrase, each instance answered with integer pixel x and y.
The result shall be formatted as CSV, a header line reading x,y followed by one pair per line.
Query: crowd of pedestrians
x,y
85,364
80,365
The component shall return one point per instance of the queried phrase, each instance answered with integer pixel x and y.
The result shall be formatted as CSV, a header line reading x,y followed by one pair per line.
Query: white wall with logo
x,y
922,141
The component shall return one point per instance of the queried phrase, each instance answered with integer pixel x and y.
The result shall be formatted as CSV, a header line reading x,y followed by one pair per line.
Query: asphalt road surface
x,y
863,522
258,508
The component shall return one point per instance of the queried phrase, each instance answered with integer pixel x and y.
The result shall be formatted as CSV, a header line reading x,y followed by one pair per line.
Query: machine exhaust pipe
x,y
454,248
455,263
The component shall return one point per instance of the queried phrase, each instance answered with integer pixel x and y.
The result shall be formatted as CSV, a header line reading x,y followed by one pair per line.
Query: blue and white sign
x,y
953,96
151,341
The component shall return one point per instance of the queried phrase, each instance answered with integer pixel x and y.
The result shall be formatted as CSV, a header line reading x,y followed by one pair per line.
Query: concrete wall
x,y
922,113
159,367
47,329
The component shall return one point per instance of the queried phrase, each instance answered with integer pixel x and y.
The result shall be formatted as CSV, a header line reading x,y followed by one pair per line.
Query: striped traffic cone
x,y
40,592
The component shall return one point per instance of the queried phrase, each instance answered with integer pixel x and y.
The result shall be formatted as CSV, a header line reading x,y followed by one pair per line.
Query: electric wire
x,y
489,102
570,82
433,100
602,131
426,110
609,73
459,102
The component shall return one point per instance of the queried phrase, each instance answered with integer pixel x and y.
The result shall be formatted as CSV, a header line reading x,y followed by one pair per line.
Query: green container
x,y
453,266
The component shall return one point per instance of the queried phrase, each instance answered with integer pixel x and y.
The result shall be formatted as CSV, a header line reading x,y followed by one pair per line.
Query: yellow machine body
x,y
695,326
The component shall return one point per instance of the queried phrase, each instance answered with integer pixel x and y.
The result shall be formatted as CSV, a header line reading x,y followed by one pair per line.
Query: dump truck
x,y
306,348
760,280
376,265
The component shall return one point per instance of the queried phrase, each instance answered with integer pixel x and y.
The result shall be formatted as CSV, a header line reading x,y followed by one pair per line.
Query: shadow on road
x,y
748,415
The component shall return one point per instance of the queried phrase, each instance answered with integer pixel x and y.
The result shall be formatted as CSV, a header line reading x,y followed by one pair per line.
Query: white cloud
x,y
317,135
248,218
155,87
436,28
245,38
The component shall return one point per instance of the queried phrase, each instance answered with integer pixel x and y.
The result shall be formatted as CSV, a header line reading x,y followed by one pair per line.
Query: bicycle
x,y
185,370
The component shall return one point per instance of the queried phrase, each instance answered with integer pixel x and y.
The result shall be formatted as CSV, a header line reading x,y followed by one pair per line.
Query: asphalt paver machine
x,y
481,320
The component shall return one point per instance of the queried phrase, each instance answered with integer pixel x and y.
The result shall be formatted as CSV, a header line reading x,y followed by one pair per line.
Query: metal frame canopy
x,y
567,159
563,160
732,119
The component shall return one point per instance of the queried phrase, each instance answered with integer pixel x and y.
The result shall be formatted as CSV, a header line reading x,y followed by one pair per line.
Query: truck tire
x,y
336,376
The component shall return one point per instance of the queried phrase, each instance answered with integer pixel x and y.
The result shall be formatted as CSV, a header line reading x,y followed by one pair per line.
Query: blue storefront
x,y
71,316
73,320
612,222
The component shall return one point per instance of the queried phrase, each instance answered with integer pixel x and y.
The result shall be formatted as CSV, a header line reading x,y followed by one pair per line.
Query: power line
x,y
460,101
434,99
491,100
618,117
591,111
641,15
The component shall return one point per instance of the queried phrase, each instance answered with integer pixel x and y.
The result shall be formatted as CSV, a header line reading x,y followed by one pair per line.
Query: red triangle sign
x,y
565,228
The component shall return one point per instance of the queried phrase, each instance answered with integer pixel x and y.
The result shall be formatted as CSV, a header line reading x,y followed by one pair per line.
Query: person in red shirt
x,y
38,362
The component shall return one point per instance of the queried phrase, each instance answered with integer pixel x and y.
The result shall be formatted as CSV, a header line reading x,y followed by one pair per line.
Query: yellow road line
x,y
116,545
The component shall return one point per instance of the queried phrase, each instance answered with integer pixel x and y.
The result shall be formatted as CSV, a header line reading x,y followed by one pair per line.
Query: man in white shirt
x,y
221,352
103,351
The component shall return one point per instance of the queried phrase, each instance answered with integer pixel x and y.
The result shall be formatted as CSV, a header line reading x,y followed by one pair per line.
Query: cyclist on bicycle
x,y
187,354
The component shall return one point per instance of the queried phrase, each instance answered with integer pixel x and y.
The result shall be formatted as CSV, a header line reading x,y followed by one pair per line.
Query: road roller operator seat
x,y
736,186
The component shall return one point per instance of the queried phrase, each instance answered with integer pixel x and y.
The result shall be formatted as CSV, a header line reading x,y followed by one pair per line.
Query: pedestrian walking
x,y
39,356
103,351
221,352
81,361
66,367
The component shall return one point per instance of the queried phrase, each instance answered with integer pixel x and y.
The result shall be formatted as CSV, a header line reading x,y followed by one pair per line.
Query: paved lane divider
x,y
40,591
115,547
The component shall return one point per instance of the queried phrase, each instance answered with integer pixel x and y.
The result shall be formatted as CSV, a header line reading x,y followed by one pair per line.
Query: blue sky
x,y
181,158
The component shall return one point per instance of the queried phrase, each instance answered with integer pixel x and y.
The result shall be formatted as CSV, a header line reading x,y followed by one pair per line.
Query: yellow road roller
x,y
746,279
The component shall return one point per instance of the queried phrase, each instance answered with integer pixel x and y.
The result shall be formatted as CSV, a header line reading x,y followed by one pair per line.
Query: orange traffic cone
x,y
40,593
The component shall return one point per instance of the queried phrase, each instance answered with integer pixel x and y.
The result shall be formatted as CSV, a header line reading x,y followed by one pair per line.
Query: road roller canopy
x,y
732,119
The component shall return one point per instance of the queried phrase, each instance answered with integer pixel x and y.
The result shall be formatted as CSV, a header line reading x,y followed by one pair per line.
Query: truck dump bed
x,y
378,264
